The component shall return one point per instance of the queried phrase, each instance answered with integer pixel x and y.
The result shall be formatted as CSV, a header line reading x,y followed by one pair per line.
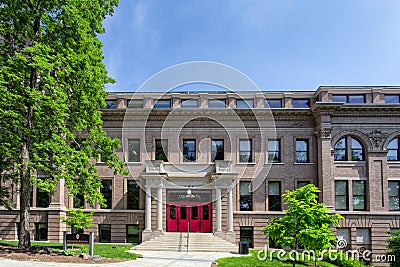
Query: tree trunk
x,y
25,196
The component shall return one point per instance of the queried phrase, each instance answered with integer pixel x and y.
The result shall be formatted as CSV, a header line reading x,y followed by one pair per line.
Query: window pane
x,y
172,212
392,99
301,184
274,188
163,104
339,154
106,191
41,231
358,203
135,103
274,103
301,145
133,150
355,144
217,103
161,150
341,143
42,198
392,155
217,150
195,213
133,195
105,233
343,234
245,196
245,153
339,98
341,203
246,235
206,215
341,187
190,103
132,233
79,201
301,103
357,154
354,99
394,195
393,144
244,103
362,236
110,104
358,187
273,151
183,212
189,150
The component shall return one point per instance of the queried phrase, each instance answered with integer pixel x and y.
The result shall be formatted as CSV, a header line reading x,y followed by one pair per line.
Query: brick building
x,y
238,157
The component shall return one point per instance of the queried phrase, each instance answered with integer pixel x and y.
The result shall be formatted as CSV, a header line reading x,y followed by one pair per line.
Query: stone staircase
x,y
204,242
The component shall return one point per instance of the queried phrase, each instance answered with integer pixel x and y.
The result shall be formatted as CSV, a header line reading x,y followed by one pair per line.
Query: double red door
x,y
197,216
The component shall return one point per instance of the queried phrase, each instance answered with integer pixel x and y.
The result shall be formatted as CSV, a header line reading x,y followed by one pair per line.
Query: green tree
x,y
51,88
306,222
77,219
394,247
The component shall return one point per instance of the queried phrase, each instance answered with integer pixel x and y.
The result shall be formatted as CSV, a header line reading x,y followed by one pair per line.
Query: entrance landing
x,y
198,242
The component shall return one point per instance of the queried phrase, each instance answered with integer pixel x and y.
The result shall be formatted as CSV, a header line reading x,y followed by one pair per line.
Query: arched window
x,y
393,150
348,148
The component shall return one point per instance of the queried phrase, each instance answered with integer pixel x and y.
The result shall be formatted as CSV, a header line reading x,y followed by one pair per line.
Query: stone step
x,y
206,242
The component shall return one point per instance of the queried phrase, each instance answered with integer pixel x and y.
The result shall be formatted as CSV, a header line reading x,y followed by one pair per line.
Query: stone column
x,y
159,208
230,211
218,210
148,208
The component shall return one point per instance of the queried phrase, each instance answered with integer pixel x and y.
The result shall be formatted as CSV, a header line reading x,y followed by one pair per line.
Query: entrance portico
x,y
167,184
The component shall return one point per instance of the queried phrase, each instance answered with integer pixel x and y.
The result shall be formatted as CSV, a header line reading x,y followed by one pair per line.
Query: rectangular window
x,y
302,151
217,103
133,195
302,183
42,198
135,103
106,191
163,104
351,99
245,150
343,234
274,103
246,196
132,233
363,236
183,210
41,231
110,104
79,201
133,150
274,151
189,103
394,195
392,99
274,196
341,195
301,103
244,103
161,150
217,150
246,235
189,150
359,202
105,233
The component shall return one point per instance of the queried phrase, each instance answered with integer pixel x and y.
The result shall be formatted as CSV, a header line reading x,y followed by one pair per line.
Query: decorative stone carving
x,y
324,132
377,136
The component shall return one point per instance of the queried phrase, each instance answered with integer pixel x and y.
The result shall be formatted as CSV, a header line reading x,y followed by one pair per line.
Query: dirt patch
x,y
14,253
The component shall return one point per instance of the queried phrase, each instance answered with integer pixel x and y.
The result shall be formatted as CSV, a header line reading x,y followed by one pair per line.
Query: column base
x,y
228,236
150,234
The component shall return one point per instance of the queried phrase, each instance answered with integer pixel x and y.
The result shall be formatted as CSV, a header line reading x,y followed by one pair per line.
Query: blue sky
x,y
280,45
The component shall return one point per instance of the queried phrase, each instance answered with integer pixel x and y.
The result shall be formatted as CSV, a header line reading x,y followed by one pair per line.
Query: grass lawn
x,y
253,261
116,251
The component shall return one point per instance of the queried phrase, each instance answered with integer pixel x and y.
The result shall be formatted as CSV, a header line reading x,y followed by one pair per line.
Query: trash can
x,y
244,248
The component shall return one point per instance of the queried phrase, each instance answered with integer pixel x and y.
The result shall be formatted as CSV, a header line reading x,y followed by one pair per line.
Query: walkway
x,y
150,259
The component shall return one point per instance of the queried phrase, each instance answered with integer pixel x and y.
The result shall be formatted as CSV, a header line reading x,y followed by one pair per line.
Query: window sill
x,y
245,163
349,161
274,163
133,163
303,163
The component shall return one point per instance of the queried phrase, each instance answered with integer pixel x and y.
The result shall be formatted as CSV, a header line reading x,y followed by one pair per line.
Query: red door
x,y
198,214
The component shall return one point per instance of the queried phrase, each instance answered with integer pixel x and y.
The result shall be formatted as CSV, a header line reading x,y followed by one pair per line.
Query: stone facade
x,y
320,125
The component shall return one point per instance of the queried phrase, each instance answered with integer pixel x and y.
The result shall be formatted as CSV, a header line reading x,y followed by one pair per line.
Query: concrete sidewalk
x,y
150,259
